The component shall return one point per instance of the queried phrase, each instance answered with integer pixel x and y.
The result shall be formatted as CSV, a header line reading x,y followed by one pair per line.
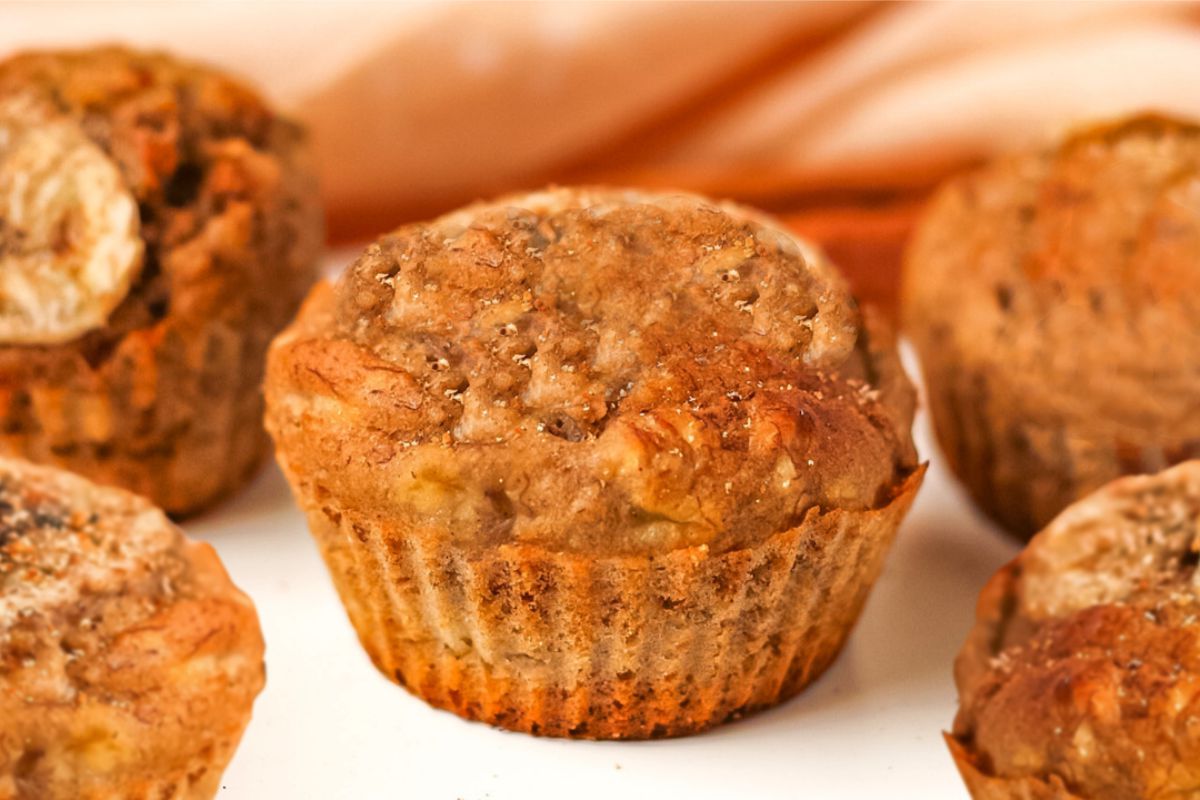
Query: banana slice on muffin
x,y
70,244
1081,678
596,463
1052,299
128,660
158,225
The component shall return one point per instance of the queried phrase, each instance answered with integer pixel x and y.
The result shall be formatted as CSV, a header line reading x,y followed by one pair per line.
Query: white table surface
x,y
329,726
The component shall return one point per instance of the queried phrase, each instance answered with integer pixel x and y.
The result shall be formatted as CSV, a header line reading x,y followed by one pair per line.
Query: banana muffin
x,y
1053,300
1081,678
128,661
158,225
595,463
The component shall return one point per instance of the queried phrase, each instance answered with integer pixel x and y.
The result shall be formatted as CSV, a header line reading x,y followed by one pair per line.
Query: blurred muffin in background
x,y
1053,299
596,463
158,224
1081,678
128,661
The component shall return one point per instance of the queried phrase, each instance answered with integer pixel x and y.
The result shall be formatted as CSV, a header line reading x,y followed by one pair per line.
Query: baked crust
x,y
164,399
128,661
1032,290
668,366
605,383
1081,677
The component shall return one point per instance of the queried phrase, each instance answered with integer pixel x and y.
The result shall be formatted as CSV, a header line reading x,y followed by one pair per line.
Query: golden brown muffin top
x,y
199,154
1084,666
1059,267
595,370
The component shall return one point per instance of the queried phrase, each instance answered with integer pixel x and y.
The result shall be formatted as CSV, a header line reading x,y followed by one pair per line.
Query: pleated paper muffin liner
x,y
172,414
1021,465
564,644
983,786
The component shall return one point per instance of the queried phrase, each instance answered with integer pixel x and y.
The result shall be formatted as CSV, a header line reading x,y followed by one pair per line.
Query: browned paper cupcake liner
x,y
562,644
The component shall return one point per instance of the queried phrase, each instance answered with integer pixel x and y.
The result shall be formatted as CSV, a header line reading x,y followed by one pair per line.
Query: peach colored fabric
x,y
417,106
840,115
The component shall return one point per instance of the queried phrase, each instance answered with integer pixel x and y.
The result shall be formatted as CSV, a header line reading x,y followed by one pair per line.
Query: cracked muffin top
x,y
593,370
137,188
1082,674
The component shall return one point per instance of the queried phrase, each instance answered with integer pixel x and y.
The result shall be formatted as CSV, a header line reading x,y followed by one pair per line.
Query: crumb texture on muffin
x,y
593,462
1081,677
1052,298
128,661
602,372
138,363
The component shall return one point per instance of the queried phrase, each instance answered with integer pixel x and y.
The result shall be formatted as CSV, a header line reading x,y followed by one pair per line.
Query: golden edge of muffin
x,y
128,660
537,638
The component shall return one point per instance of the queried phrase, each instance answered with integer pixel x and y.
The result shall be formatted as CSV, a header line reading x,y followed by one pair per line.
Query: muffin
x,y
1081,678
158,225
1053,301
595,463
128,661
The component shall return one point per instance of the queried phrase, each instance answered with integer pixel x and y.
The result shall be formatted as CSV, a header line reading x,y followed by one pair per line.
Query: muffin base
x,y
173,416
560,644
1021,464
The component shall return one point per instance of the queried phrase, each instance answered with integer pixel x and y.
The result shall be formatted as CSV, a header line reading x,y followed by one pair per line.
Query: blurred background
x,y
838,117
